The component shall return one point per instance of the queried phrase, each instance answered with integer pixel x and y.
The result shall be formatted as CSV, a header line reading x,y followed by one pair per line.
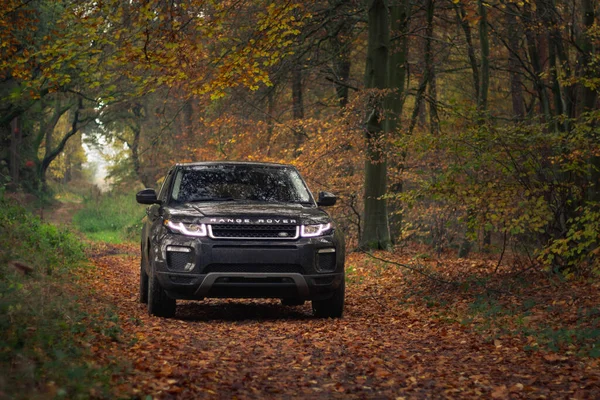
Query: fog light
x,y
324,251
179,249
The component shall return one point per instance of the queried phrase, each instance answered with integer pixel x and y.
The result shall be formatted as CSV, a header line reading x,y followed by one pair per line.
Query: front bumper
x,y
196,268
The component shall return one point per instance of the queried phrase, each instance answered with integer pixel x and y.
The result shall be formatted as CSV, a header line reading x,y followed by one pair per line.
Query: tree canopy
x,y
454,122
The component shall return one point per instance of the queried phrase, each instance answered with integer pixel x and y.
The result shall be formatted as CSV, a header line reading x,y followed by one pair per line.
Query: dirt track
x,y
382,348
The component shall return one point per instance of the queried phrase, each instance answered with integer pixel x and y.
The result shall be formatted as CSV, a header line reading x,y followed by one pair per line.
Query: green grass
x,y
114,237
45,328
113,217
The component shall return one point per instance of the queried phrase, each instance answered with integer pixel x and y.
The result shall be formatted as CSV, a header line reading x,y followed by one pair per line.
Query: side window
x,y
177,186
162,195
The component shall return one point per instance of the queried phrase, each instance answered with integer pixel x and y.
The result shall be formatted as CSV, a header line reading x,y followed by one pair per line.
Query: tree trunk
x,y
376,233
5,140
548,15
135,156
270,118
342,74
464,23
339,32
514,66
434,119
397,62
297,100
588,94
15,146
140,113
400,13
482,101
49,131
188,118
535,59
297,107
55,152
481,82
428,69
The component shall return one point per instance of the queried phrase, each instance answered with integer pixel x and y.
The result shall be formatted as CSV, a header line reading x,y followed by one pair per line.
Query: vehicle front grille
x,y
278,232
254,268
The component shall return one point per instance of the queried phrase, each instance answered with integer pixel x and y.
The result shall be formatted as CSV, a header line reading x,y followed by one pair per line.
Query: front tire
x,y
332,307
159,303
143,295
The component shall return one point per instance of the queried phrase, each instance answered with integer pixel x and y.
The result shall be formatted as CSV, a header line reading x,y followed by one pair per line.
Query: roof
x,y
249,163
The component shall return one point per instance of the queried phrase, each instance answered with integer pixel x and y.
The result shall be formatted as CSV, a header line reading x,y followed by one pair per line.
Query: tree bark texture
x,y
188,118
340,32
536,63
376,233
15,144
428,67
297,106
464,23
139,113
400,14
60,146
397,62
514,65
557,59
482,101
589,95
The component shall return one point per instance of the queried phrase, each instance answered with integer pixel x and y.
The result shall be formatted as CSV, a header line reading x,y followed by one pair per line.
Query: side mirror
x,y
326,199
147,196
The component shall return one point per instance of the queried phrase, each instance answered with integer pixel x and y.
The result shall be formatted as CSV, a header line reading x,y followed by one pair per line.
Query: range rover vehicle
x,y
239,230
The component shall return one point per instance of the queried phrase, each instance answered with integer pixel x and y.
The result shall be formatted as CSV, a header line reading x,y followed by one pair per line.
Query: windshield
x,y
239,182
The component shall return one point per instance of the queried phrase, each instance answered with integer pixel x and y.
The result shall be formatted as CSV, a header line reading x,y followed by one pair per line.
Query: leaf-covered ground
x,y
396,340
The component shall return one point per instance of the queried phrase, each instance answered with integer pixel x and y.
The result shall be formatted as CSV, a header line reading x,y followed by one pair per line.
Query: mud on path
x,y
383,348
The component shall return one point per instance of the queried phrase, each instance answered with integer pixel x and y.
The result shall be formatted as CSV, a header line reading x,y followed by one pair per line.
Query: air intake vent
x,y
326,261
180,261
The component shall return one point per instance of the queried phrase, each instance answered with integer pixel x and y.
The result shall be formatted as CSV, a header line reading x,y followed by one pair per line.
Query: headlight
x,y
314,230
187,229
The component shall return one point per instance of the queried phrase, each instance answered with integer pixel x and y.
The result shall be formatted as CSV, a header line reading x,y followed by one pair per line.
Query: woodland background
x,y
453,123
462,138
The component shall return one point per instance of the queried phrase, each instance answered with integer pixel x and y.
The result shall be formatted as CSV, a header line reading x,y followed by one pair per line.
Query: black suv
x,y
242,230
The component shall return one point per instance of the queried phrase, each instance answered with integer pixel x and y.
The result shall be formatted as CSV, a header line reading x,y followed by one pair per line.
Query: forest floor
x,y
403,335
386,345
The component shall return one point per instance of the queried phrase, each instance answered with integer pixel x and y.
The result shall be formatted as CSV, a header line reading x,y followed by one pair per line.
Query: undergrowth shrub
x,y
578,249
524,183
44,330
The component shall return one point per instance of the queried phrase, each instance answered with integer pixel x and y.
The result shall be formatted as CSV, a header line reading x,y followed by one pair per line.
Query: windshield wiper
x,y
273,201
211,199
304,203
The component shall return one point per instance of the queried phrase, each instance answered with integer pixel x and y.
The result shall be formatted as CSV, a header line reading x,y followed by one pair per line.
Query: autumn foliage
x,y
403,334
469,161
480,119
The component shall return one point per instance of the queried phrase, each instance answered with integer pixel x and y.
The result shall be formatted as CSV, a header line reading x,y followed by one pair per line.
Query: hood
x,y
247,213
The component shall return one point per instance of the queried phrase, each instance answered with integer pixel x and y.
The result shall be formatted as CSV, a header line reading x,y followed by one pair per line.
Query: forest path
x,y
383,348
61,213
